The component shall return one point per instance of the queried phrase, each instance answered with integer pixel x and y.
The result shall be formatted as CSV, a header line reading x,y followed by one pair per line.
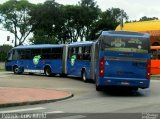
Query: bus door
x,y
78,60
9,61
72,61
155,61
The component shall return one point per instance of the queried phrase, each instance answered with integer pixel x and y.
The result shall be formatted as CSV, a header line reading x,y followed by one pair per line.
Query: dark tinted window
x,y
56,53
28,54
81,53
125,44
52,53
15,55
35,52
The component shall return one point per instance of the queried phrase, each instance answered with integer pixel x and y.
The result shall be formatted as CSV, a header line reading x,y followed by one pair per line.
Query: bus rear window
x,y
125,44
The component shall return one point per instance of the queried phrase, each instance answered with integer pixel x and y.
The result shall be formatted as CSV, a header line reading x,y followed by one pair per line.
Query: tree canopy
x,y
51,22
15,18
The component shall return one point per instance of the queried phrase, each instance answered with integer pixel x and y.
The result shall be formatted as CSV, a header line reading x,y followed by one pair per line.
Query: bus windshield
x,y
125,44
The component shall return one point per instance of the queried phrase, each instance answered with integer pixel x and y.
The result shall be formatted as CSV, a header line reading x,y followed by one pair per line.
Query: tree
x,y
108,20
89,15
47,20
59,24
15,18
145,18
79,20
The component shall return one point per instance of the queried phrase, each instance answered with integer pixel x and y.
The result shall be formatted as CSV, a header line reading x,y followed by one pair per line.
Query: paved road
x,y
86,99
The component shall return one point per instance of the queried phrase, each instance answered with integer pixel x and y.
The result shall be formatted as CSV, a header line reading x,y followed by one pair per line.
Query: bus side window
x,y
79,55
56,53
154,54
28,54
46,53
69,53
86,53
15,55
35,52
72,51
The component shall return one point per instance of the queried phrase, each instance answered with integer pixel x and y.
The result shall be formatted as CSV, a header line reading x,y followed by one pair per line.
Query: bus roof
x,y
125,33
39,46
83,43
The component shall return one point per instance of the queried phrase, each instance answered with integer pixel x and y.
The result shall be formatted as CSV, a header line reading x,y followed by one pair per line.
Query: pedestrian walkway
x,y
25,96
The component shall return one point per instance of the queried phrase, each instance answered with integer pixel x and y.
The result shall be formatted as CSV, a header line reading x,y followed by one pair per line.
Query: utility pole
x,y
121,21
15,24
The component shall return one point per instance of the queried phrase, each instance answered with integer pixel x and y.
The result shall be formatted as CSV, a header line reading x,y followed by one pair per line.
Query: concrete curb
x,y
35,102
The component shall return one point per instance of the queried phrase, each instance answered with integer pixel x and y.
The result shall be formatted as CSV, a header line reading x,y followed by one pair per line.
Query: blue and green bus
x,y
47,59
65,59
122,59
116,58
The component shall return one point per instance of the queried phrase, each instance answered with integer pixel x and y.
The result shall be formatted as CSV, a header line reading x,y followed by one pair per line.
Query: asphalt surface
x,y
87,102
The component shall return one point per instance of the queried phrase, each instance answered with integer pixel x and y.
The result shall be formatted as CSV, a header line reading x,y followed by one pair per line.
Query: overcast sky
x,y
135,9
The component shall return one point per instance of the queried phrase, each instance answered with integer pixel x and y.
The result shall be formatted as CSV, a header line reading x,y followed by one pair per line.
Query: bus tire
x,y
98,88
83,76
47,71
135,89
15,70
30,73
63,75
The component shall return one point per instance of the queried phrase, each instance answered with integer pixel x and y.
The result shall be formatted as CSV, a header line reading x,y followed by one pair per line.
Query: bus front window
x,y
9,56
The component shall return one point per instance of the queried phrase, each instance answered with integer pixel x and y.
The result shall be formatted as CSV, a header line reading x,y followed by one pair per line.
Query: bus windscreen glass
x,y
125,44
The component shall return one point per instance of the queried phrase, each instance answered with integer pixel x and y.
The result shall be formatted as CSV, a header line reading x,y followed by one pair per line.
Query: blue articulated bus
x,y
47,59
122,59
75,59
117,58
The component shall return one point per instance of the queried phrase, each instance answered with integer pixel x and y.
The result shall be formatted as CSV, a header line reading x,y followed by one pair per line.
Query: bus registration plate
x,y
125,83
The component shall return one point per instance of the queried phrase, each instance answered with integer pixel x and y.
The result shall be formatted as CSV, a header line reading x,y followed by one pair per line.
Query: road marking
x,y
72,117
54,112
22,110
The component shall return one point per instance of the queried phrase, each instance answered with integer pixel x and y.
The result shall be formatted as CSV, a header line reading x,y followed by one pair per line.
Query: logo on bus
x,y
73,58
36,59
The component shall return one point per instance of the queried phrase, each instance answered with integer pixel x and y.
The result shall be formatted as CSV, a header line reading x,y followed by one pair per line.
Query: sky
x,y
135,9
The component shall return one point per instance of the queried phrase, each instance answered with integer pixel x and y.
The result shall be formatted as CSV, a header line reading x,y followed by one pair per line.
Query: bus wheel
x,y
83,76
15,69
135,89
47,71
63,75
99,88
